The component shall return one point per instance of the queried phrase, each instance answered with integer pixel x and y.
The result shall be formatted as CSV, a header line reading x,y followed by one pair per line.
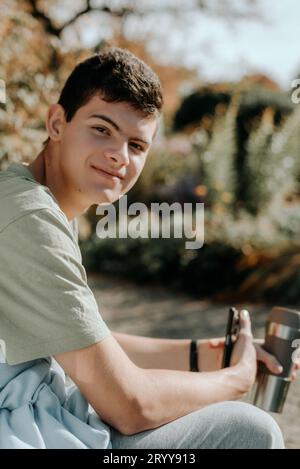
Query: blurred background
x,y
229,137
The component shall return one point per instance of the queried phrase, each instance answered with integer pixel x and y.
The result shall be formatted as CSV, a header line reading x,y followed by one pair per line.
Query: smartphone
x,y
232,329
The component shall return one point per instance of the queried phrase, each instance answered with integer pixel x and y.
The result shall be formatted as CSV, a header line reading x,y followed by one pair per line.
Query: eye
x,y
101,130
137,147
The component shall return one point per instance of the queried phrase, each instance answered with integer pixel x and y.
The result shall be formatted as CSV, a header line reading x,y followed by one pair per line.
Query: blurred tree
x,y
25,67
199,108
57,15
258,169
33,67
258,92
260,100
217,161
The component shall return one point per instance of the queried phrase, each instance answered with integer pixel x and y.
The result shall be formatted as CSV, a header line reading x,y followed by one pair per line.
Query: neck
x,y
47,173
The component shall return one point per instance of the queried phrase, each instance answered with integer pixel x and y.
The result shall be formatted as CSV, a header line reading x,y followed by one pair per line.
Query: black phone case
x,y
231,328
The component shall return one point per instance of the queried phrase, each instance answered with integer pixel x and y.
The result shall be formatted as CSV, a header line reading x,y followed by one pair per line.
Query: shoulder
x,y
26,203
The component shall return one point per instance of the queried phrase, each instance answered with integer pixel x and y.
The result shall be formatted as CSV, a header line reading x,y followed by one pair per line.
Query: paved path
x,y
156,312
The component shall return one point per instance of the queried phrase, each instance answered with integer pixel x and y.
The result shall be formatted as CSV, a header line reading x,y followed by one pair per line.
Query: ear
x,y
55,122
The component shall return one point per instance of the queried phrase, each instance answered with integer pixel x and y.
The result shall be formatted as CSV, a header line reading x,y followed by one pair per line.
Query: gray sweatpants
x,y
230,424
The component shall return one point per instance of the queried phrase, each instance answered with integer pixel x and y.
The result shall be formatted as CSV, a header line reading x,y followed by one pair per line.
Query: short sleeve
x,y
46,305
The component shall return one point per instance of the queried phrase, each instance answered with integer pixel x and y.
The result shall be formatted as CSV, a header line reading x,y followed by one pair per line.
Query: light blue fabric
x,y
39,410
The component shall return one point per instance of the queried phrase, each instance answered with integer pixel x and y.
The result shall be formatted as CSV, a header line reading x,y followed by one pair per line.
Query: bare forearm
x,y
166,388
168,394
148,352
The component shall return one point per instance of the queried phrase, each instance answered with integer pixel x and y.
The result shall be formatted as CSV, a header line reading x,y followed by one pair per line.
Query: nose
x,y
118,156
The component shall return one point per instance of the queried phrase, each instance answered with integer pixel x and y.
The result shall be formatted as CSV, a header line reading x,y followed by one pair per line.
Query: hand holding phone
x,y
232,330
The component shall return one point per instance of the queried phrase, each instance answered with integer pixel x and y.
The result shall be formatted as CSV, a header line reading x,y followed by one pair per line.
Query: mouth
x,y
106,173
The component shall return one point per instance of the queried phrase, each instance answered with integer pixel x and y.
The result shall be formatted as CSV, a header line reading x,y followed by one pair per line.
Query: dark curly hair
x,y
116,75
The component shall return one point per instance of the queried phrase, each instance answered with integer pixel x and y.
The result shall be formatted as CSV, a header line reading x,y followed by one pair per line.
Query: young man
x,y
141,389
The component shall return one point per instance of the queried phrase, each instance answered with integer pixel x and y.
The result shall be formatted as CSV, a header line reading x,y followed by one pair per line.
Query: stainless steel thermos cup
x,y
282,337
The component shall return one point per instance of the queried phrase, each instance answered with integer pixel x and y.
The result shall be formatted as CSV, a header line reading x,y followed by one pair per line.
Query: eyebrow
x,y
111,122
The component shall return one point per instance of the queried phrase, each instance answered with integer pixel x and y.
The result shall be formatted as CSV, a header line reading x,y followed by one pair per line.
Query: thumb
x,y
245,324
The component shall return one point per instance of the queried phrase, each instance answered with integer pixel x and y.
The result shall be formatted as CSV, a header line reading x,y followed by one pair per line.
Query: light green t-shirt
x,y
46,305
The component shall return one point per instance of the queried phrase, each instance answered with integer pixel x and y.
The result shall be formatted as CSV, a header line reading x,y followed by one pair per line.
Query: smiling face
x,y
102,150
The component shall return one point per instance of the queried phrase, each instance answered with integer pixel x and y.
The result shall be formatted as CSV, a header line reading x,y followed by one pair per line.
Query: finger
x,y
245,324
217,342
270,361
294,375
259,341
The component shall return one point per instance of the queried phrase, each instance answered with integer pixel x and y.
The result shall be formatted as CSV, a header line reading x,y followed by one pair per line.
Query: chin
x,y
107,197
